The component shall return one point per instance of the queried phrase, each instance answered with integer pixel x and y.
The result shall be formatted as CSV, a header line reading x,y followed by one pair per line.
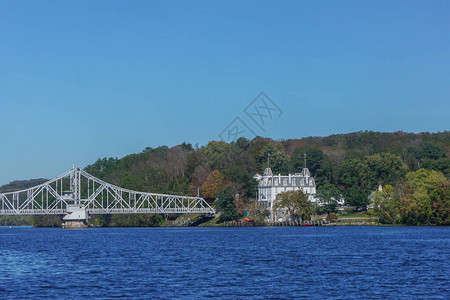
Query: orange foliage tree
x,y
213,184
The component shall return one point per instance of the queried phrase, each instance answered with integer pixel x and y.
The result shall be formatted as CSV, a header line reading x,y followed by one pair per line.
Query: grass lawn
x,y
354,216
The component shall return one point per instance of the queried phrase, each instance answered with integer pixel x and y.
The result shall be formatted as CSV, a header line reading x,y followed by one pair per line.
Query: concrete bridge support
x,y
76,217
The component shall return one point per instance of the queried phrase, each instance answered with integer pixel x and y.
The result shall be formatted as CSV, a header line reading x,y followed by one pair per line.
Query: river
x,y
230,263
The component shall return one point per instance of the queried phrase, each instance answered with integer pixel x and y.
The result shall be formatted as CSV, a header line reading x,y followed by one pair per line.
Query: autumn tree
x,y
213,184
359,162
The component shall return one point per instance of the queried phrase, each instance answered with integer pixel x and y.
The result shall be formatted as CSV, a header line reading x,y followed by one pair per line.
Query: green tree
x,y
240,175
442,203
242,143
195,158
47,220
225,207
102,167
295,203
424,155
279,161
430,150
128,181
318,164
216,153
441,164
357,178
258,213
186,146
329,194
133,220
425,198
384,205
349,180
100,220
379,169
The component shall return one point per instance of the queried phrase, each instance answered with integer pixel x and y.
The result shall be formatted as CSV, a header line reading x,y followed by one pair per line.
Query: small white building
x,y
269,186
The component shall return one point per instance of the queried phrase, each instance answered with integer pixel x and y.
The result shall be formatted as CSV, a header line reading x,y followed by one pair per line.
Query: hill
x,y
21,185
356,163
352,164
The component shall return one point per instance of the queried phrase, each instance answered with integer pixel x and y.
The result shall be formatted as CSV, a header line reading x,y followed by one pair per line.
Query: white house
x,y
269,186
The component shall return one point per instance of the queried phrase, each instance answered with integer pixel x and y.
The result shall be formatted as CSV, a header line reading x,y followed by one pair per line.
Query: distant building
x,y
269,186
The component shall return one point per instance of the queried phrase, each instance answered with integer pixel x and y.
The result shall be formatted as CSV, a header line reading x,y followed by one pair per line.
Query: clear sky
x,y
81,80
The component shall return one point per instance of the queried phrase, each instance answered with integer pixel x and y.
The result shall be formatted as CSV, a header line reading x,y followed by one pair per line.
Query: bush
x,y
332,218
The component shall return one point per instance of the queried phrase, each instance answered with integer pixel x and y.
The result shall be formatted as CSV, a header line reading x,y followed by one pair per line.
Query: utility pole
x,y
198,190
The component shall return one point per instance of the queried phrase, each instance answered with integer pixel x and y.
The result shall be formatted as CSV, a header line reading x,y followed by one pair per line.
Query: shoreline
x,y
247,226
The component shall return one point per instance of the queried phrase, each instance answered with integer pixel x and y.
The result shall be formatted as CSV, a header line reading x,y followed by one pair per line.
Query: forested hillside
x,y
350,165
353,164
21,185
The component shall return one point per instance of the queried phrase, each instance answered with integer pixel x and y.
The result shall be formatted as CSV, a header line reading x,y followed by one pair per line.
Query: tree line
x,y
351,166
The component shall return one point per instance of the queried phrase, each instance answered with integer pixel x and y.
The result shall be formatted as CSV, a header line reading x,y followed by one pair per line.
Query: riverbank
x,y
199,220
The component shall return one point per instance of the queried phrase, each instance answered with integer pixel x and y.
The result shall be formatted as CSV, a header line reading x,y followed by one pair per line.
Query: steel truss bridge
x,y
77,192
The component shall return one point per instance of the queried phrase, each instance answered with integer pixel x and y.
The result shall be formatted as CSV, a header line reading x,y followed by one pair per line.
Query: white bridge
x,y
77,194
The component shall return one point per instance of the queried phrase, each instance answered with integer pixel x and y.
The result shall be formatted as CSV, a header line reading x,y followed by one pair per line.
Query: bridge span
x,y
76,194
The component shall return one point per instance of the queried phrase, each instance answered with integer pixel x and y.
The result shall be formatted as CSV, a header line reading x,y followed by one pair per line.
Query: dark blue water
x,y
282,262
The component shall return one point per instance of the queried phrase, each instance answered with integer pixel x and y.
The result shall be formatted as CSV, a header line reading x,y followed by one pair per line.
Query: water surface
x,y
280,262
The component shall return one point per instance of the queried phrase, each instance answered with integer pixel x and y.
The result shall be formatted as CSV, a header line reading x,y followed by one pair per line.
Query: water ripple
x,y
230,263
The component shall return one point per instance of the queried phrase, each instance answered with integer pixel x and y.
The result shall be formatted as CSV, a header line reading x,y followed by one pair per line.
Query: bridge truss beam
x,y
77,187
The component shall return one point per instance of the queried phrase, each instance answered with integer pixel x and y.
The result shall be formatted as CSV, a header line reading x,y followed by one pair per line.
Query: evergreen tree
x,y
225,207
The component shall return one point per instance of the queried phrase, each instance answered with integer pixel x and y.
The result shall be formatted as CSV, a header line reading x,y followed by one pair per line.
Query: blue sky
x,y
81,80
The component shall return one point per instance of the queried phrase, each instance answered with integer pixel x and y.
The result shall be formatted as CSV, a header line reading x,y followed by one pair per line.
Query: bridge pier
x,y
74,224
76,217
